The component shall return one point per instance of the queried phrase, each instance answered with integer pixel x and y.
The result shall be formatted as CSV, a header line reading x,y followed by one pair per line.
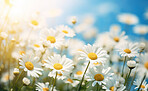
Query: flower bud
x,y
13,40
16,71
3,35
142,46
74,20
131,64
26,81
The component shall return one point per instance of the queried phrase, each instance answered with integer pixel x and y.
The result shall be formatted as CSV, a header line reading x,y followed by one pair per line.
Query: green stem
x,y
97,87
142,82
54,81
83,76
123,67
127,77
133,80
51,82
18,79
33,83
68,87
21,87
100,86
9,72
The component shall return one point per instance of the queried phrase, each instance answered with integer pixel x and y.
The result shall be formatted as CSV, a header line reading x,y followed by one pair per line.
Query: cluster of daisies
x,y
35,57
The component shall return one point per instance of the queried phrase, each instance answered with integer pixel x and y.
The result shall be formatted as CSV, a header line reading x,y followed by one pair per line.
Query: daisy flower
x,y
141,29
59,64
6,77
127,18
73,50
78,71
43,86
143,64
95,64
70,80
18,53
118,37
36,22
29,64
81,27
90,33
128,49
72,20
52,38
37,46
144,86
114,84
115,28
98,76
106,43
66,30
15,27
59,75
89,20
93,54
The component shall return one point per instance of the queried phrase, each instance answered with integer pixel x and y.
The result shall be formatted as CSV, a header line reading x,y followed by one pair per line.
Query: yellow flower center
x,y
92,56
99,77
115,28
79,50
21,52
29,65
97,63
79,72
74,21
7,77
70,80
142,86
45,89
57,66
127,51
12,31
59,74
65,31
116,39
36,45
15,73
146,65
51,39
43,61
8,2
128,21
34,22
112,88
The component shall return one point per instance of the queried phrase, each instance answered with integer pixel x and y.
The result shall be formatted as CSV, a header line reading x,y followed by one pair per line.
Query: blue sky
x,y
106,11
